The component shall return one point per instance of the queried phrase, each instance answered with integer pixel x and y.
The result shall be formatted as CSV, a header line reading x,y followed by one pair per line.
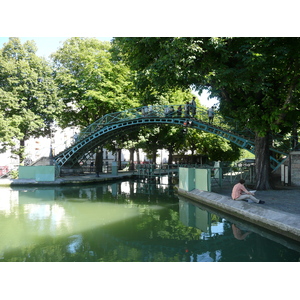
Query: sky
x,y
48,45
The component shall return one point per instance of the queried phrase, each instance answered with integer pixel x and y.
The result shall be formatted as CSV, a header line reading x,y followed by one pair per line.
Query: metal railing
x,y
225,127
220,176
154,170
228,175
279,142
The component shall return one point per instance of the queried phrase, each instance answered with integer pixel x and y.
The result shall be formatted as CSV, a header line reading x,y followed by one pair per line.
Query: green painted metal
x,y
38,173
110,125
187,179
202,179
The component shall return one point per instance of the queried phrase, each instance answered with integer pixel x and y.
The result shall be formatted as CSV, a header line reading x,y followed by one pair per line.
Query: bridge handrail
x,y
224,123
160,111
225,127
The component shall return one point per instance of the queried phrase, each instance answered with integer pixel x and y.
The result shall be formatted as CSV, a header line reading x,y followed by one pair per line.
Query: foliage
x,y
155,137
27,93
90,83
246,154
150,141
258,75
14,174
212,146
255,79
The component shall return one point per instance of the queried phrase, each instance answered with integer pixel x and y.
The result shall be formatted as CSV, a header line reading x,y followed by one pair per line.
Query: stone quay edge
x,y
283,223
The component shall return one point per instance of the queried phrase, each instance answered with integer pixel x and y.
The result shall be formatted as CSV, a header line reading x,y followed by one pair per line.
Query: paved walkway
x,y
283,198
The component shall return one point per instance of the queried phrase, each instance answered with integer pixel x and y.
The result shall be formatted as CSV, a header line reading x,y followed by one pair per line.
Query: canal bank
x,y
280,213
68,180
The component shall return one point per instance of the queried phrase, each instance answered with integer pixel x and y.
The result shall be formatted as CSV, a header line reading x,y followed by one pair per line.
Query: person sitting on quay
x,y
239,192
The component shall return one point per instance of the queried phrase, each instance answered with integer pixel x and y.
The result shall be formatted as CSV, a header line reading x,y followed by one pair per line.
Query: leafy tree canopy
x,y
90,82
256,79
27,92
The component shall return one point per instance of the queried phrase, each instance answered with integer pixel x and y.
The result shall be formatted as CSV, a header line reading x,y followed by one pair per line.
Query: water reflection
x,y
219,227
238,233
29,216
209,224
124,221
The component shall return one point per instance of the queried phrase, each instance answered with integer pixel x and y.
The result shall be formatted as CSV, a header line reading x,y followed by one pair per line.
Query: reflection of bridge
x,y
114,124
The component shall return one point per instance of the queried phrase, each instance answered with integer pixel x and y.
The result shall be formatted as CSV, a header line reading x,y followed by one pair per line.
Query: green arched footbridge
x,y
110,125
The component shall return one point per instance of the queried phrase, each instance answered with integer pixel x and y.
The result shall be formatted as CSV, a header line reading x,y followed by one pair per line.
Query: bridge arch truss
x,y
111,125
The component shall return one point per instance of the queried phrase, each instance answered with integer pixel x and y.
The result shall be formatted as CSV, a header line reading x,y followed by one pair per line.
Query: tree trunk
x,y
170,159
119,155
138,156
131,159
295,145
262,162
99,161
21,152
154,155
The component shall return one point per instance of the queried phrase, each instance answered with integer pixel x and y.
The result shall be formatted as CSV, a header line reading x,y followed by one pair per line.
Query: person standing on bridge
x,y
187,110
193,107
239,192
166,111
179,111
211,115
171,111
145,111
75,137
150,111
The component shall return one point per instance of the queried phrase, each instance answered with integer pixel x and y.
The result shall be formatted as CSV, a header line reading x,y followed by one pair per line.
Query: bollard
x,y
286,175
282,174
114,168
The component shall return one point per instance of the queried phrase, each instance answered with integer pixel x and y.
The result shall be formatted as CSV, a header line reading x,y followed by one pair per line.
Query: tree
x,y
9,124
206,144
263,86
255,79
172,139
90,82
27,93
151,141
215,147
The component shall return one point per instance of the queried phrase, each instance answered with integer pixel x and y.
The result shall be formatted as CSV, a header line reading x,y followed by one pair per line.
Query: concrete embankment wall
x,y
279,222
38,173
196,185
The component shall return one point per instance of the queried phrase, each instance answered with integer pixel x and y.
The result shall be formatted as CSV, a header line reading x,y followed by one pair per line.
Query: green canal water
x,y
126,221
